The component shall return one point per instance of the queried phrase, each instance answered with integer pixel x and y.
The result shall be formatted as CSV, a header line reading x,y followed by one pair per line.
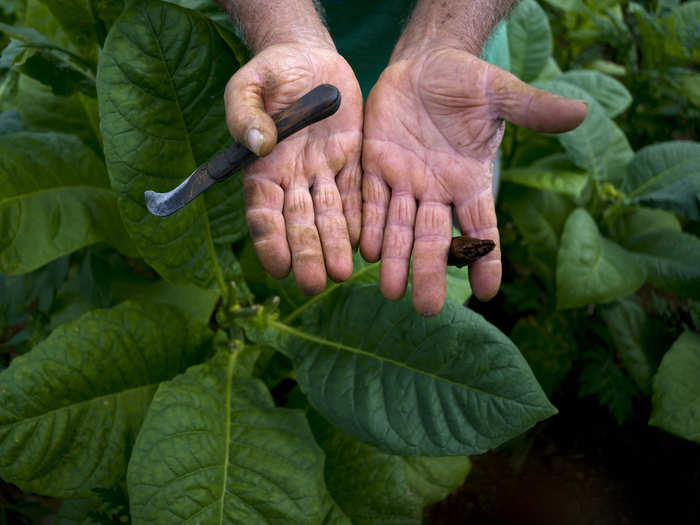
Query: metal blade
x,y
319,103
164,204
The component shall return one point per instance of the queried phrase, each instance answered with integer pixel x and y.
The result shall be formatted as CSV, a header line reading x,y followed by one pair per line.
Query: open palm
x,y
432,129
302,200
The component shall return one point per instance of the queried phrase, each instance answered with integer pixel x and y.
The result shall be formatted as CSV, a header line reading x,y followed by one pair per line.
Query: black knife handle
x,y
319,103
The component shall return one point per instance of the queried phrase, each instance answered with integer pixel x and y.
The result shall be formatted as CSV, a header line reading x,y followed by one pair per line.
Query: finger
x,y
433,233
349,182
375,201
304,242
264,202
533,108
477,218
396,248
331,226
246,118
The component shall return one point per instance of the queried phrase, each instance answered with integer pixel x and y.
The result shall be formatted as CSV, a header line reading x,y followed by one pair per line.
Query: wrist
x,y
313,37
414,47
463,25
266,23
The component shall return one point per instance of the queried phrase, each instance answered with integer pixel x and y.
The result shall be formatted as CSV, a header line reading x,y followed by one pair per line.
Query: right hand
x,y
433,124
303,200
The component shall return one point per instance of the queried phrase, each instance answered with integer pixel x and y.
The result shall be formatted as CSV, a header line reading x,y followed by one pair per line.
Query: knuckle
x,y
479,213
263,224
326,197
352,202
433,243
403,211
434,218
397,244
374,191
373,215
335,226
259,192
350,180
298,202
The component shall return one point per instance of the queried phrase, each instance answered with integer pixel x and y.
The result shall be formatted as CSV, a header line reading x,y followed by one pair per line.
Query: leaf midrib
x,y
668,172
325,342
227,416
308,304
79,403
210,244
23,196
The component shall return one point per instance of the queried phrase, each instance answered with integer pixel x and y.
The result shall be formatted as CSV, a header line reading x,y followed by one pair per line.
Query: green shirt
x,y
365,32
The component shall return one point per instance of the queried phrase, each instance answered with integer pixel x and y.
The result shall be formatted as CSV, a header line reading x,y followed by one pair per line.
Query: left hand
x,y
303,197
433,124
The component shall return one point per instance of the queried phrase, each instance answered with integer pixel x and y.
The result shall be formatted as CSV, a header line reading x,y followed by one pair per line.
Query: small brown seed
x,y
464,250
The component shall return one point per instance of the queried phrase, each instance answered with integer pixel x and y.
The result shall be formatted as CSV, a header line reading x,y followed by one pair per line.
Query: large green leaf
x,y
10,122
629,325
209,9
105,506
450,385
38,16
549,347
529,40
676,399
566,182
107,11
635,221
292,301
70,409
602,376
335,515
77,511
671,260
689,84
575,6
160,86
41,110
458,290
226,209
597,145
193,301
683,31
550,71
666,175
78,20
52,65
374,487
668,40
611,94
540,217
592,269
54,199
214,449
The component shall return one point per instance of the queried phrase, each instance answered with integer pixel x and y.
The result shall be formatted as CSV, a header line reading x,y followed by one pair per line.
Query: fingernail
x,y
255,140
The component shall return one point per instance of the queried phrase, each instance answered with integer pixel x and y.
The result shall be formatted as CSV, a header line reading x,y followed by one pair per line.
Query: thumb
x,y
533,108
246,118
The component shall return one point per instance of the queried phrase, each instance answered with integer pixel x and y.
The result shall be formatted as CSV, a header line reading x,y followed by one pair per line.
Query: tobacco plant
x,y
601,240
153,366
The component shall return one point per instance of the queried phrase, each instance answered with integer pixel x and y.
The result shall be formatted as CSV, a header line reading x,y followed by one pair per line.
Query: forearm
x,y
270,22
460,24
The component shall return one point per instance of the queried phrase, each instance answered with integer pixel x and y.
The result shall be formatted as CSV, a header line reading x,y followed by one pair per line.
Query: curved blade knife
x,y
319,103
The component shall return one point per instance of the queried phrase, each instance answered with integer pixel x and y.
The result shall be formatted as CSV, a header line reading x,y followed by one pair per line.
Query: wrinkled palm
x,y
303,199
432,129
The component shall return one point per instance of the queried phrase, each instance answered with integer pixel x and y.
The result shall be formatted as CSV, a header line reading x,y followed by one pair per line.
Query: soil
x,y
579,467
